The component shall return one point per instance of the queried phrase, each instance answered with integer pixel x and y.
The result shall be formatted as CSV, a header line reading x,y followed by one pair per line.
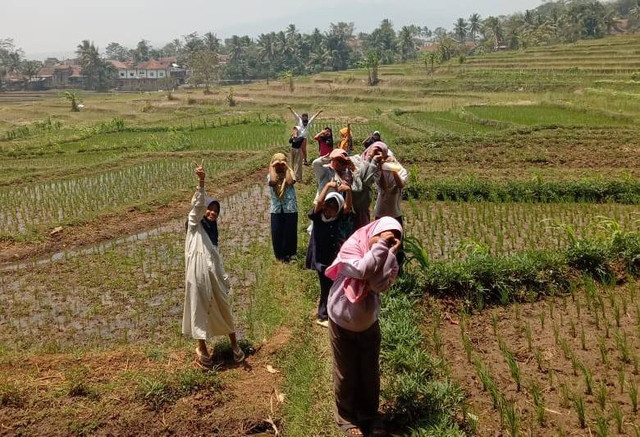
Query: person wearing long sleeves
x,y
364,178
207,312
332,218
365,267
391,179
284,208
304,125
336,166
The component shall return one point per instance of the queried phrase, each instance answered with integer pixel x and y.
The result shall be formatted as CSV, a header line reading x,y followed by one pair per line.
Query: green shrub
x,y
420,396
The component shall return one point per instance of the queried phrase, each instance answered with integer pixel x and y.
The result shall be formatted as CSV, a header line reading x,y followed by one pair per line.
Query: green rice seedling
x,y
633,396
600,304
588,380
590,291
516,309
578,309
617,314
572,329
606,327
578,404
466,342
494,323
602,426
537,354
583,339
488,384
601,395
514,368
566,349
538,401
566,395
604,352
556,333
542,317
618,417
551,306
596,319
621,380
511,417
623,346
529,336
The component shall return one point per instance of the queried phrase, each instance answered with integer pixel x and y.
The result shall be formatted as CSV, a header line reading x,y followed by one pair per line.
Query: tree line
x,y
290,52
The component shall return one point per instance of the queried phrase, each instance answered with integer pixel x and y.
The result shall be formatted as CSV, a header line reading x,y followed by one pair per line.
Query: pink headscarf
x,y
355,248
377,145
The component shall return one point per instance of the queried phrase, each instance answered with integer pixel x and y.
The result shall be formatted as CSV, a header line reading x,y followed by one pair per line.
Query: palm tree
x,y
211,42
267,51
474,25
407,44
493,25
460,28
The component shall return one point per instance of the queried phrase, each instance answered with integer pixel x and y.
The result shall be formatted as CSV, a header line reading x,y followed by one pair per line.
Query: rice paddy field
x,y
92,209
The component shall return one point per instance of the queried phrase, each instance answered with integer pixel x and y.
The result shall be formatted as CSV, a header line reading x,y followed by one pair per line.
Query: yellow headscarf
x,y
345,132
282,178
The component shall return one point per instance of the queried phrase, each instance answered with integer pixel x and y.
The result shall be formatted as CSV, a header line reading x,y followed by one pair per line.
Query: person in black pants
x,y
332,218
284,209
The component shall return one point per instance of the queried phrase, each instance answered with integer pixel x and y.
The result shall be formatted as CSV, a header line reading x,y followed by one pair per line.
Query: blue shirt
x,y
288,204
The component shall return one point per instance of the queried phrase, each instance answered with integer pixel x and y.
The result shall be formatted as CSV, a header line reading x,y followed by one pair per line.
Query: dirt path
x,y
125,391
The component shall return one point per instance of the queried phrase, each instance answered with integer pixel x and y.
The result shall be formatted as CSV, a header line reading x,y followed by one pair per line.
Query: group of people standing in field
x,y
355,258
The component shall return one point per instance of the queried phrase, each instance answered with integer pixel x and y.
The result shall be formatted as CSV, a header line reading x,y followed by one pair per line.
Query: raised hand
x,y
343,187
200,170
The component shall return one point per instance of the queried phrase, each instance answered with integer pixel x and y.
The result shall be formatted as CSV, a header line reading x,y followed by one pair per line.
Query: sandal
x,y
203,361
352,431
238,357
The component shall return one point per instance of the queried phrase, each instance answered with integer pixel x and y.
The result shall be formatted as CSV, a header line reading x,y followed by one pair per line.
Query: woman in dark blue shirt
x,y
332,218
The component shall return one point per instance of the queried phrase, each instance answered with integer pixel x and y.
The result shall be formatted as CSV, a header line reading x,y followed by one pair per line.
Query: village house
x,y
59,75
149,75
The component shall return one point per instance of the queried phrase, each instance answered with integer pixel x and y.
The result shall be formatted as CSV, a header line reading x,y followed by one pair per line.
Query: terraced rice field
x,y
92,206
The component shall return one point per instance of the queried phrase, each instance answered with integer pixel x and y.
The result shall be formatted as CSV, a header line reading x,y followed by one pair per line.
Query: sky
x,y
56,27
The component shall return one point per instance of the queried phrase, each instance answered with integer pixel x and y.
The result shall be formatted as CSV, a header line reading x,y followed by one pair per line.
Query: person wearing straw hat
x,y
207,312
284,208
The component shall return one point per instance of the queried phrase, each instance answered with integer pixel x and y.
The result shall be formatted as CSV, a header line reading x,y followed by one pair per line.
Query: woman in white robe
x,y
207,312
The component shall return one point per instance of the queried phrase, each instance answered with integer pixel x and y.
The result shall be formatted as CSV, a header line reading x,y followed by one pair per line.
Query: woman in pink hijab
x,y
365,267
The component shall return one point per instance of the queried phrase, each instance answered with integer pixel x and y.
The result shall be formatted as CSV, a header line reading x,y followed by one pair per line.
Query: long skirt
x,y
356,374
284,235
325,288
296,163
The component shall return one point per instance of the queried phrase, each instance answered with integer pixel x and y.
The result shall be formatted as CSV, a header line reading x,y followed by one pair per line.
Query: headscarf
x,y
345,142
345,175
211,228
281,187
368,153
354,249
338,198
